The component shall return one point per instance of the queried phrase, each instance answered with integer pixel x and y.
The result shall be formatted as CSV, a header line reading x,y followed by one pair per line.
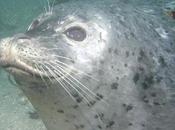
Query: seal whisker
x,y
63,57
58,68
37,68
46,74
60,82
46,57
73,68
83,87
45,9
69,81
52,6
51,49
36,58
49,7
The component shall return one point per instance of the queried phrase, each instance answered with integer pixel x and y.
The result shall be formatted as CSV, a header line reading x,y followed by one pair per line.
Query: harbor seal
x,y
95,65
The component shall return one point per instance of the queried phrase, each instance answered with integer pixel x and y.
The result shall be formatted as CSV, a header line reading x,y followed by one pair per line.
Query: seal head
x,y
93,66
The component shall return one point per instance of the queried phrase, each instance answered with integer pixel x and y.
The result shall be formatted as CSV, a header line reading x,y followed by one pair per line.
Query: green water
x,y
16,113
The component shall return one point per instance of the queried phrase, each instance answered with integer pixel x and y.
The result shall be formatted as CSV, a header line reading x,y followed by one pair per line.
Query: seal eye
x,y
76,33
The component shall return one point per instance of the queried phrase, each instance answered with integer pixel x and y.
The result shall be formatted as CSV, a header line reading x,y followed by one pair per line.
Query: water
x,y
16,113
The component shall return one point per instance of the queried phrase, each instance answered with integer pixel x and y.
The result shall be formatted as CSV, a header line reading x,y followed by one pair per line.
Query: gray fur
x,y
130,75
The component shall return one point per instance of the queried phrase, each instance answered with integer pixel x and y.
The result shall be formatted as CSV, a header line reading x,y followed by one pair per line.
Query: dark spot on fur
x,y
133,53
153,94
114,86
116,51
60,111
75,106
141,69
110,124
117,78
66,120
141,55
101,116
145,85
130,124
128,107
158,128
145,99
79,99
127,54
33,115
156,103
73,61
79,126
99,96
162,61
99,126
143,125
96,116
136,77
91,103
149,80
124,105
126,65
82,126
132,34
158,79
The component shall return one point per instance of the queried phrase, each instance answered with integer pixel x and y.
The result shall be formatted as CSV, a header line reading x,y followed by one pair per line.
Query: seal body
x,y
95,65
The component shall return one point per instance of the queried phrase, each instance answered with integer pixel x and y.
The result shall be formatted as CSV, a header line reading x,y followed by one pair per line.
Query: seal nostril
x,y
76,33
34,24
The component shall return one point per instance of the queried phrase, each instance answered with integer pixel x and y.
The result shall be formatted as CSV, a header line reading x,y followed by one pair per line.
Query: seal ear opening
x,y
76,33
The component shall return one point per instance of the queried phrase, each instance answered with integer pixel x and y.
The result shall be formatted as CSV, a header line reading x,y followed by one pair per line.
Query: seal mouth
x,y
23,68
16,70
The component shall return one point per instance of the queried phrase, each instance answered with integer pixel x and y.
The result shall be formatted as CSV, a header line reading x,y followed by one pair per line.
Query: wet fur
x,y
119,89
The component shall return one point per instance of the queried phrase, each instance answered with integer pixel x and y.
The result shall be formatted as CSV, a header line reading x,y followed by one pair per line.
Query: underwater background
x,y
16,113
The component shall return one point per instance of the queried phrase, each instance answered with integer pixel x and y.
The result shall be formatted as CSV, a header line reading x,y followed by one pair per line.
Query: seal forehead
x,y
94,36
